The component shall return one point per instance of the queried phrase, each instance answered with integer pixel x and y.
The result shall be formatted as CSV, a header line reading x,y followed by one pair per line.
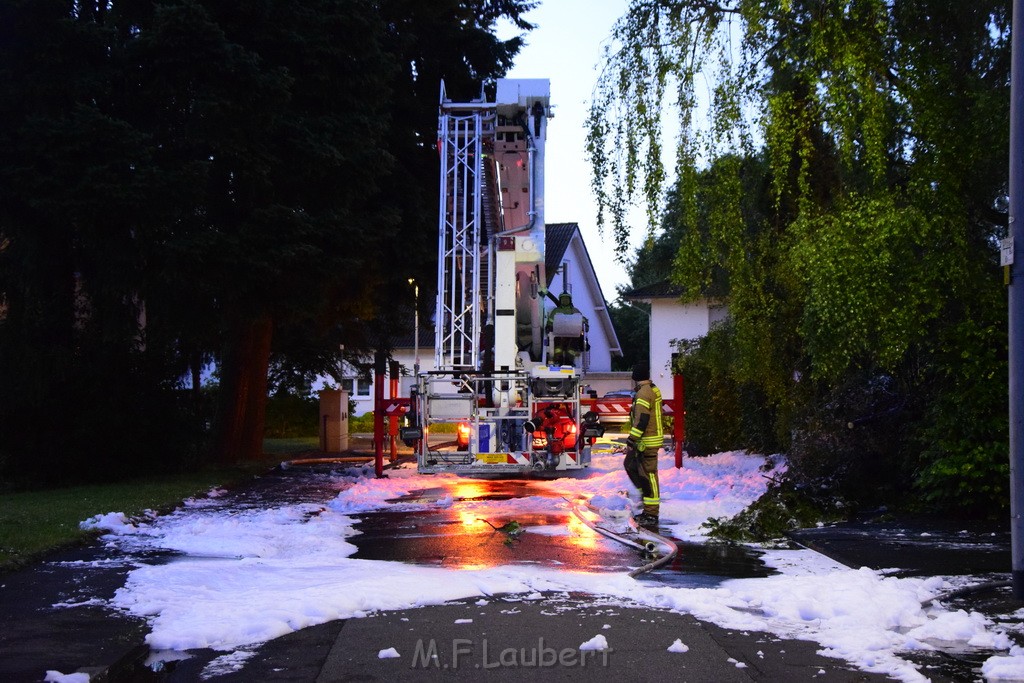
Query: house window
x,y
717,313
355,386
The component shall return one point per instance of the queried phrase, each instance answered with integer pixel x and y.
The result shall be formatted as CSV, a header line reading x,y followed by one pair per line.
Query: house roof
x,y
556,242
657,290
557,238
408,340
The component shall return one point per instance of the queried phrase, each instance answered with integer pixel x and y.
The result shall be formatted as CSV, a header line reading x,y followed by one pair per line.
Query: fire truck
x,y
505,376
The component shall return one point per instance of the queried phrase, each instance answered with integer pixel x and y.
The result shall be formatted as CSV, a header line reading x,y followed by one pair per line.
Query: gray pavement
x,y
37,631
523,639
508,637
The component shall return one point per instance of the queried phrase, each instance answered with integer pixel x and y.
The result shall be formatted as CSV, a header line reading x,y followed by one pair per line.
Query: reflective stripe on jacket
x,y
647,401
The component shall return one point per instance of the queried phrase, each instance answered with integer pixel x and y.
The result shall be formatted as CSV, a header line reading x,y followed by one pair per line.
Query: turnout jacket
x,y
646,427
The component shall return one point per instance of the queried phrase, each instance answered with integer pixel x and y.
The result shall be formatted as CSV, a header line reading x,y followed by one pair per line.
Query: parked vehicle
x,y
621,393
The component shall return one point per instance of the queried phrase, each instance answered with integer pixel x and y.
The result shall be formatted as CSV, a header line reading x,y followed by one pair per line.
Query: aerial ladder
x,y
515,409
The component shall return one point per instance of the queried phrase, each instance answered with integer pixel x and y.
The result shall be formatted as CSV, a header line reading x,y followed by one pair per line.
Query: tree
x,y
881,129
632,326
361,299
193,179
81,396
273,117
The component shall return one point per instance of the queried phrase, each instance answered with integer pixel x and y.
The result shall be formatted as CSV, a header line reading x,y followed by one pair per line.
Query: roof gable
x,y
556,241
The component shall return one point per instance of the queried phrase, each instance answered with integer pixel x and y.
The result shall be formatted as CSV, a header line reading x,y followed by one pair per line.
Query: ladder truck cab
x,y
516,409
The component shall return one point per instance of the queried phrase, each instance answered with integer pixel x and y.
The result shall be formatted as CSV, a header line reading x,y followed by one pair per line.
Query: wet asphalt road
x,y
454,536
450,537
33,601
437,535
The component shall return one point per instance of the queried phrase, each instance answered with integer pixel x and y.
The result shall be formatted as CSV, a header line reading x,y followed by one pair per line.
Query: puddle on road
x,y
449,538
454,536
474,489
959,666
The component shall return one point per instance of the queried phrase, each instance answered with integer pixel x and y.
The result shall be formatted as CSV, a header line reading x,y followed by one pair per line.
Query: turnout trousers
x,y
642,469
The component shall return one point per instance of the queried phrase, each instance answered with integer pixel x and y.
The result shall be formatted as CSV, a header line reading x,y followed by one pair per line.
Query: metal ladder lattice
x,y
458,315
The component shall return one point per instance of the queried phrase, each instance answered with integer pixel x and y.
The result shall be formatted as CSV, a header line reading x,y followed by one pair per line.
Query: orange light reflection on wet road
x,y
468,518
468,490
580,535
483,547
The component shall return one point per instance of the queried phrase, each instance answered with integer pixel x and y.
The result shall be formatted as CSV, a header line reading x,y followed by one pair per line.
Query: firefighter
x,y
644,444
567,348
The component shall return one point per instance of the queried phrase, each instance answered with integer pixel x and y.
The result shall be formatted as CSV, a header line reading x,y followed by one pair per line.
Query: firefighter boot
x,y
647,521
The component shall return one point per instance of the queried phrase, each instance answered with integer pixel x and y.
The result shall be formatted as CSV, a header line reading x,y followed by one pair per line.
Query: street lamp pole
x,y
416,341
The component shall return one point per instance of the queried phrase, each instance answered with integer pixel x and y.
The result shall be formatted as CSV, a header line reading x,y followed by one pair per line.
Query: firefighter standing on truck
x,y
567,348
644,443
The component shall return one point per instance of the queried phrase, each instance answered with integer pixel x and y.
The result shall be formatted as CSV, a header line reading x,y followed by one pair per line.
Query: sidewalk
x,y
509,638
504,637
916,545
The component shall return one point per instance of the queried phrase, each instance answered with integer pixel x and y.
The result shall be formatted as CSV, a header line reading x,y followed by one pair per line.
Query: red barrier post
x,y
679,423
394,371
379,367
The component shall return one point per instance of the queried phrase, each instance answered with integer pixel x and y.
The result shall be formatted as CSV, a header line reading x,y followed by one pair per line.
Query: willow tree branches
x,y
839,99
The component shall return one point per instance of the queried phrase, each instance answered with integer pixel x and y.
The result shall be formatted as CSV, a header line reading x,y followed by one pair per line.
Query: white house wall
x,y
586,296
670,321
406,359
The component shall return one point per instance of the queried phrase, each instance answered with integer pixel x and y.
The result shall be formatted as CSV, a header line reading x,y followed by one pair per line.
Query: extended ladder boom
x,y
492,376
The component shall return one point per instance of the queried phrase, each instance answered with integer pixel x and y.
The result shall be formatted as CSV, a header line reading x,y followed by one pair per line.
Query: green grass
x,y
33,522
290,446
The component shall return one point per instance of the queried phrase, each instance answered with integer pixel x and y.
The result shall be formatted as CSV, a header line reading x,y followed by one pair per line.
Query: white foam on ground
x,y
253,575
